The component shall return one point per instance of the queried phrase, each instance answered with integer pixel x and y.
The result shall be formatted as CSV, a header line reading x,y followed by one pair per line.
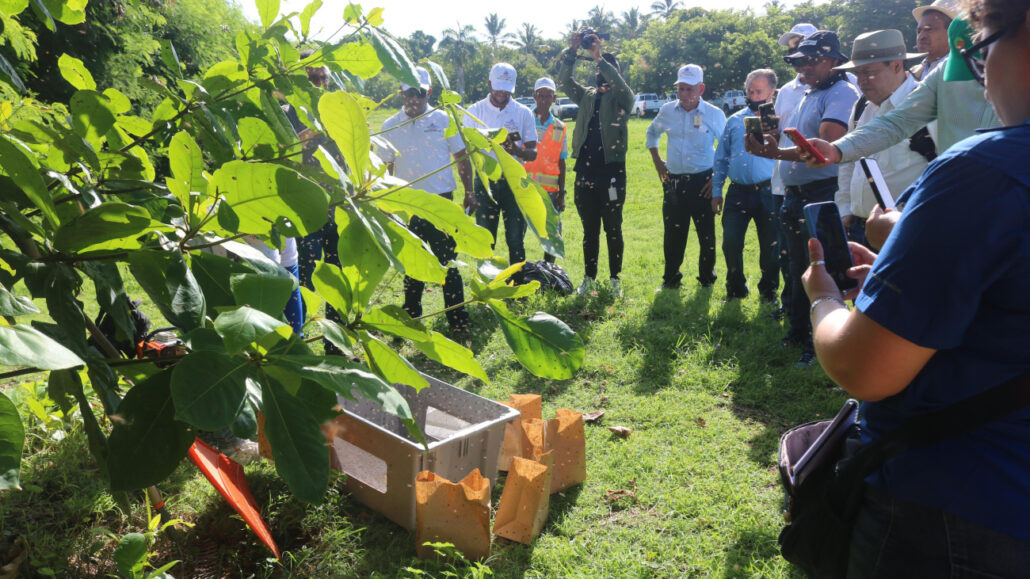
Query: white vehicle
x,y
647,104
730,101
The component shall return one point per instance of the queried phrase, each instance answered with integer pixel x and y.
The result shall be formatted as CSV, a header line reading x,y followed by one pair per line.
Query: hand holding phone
x,y
877,183
824,223
803,144
753,126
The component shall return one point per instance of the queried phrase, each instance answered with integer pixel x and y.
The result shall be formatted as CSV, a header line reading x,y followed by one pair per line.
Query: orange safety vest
x,y
544,170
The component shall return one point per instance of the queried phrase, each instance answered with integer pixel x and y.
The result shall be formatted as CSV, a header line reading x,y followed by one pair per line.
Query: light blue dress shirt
x,y
731,160
692,136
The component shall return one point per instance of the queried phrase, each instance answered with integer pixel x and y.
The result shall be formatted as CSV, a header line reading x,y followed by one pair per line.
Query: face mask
x,y
753,105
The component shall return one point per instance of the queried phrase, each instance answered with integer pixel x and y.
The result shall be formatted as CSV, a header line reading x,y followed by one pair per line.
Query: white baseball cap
x,y
544,82
801,30
690,74
502,77
423,79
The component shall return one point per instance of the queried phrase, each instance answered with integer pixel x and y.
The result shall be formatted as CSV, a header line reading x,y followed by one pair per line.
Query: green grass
x,y
703,383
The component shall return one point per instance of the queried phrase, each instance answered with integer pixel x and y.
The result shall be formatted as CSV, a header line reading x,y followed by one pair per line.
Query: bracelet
x,y
818,301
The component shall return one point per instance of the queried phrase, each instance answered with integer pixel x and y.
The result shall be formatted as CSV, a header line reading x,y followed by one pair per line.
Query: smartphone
x,y
753,126
514,136
767,111
824,224
877,183
803,144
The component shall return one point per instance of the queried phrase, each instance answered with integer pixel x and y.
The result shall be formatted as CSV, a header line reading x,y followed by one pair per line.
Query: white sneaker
x,y
584,287
616,287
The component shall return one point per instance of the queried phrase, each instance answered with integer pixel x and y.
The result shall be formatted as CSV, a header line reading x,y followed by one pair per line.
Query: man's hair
x,y
306,53
612,60
767,73
999,14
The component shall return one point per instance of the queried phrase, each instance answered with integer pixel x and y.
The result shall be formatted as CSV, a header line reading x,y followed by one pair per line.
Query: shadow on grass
x,y
751,546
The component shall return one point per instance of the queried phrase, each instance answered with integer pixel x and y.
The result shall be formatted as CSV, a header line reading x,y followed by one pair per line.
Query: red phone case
x,y
803,144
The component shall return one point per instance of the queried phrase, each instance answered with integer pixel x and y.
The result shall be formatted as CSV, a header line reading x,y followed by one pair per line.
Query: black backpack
x,y
551,277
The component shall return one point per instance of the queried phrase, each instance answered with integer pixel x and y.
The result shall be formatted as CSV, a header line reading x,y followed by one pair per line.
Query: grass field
x,y
702,382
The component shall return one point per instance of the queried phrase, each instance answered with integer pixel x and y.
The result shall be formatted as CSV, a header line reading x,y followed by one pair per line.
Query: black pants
x,y
684,203
782,257
320,245
792,220
597,210
503,204
453,292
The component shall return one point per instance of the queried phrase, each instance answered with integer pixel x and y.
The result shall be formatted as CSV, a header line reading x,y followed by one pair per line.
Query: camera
x,y
588,43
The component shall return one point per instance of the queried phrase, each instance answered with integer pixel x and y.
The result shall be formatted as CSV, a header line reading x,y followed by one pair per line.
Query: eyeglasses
x,y
415,92
806,61
976,55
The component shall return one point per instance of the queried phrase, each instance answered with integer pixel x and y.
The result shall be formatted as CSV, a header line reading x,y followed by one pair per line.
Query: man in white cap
x,y
692,126
932,23
548,169
419,147
499,110
878,60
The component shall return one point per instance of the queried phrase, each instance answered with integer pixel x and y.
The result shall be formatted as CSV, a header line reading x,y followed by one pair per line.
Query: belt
x,y
755,187
813,186
688,176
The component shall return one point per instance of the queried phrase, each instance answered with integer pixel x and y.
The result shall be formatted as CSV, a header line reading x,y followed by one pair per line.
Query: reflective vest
x,y
544,170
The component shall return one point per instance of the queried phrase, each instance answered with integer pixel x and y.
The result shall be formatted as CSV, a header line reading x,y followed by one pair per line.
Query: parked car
x,y
646,104
564,108
730,101
528,101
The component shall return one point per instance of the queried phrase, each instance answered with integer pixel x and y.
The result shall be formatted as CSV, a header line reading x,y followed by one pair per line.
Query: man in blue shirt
x,y
749,196
692,126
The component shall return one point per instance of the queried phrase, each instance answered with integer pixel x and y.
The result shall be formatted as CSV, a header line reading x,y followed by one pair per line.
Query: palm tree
x,y
665,8
495,30
460,44
600,19
528,37
632,24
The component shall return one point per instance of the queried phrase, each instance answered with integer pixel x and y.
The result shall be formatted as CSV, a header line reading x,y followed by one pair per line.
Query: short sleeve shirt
x,y
954,275
833,104
421,148
515,117
691,135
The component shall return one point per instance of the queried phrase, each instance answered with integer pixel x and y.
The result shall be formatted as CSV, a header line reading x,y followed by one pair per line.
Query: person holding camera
x,y
599,144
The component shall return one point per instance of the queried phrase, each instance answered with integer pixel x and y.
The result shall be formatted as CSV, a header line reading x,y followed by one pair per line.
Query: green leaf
x,y
306,14
441,77
111,296
67,11
147,442
119,102
131,554
76,73
10,73
357,58
213,274
392,319
530,201
276,118
61,388
261,194
171,286
208,388
12,305
444,214
244,326
266,293
347,126
257,140
16,162
13,7
268,10
187,165
336,335
298,446
22,345
414,255
341,376
360,257
393,367
110,226
41,11
542,343
441,349
170,57
12,441
333,286
92,115
395,60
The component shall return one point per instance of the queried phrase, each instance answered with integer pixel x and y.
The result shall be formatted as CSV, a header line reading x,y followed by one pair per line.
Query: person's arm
x,y
843,195
623,94
879,225
569,86
465,174
654,135
769,147
723,156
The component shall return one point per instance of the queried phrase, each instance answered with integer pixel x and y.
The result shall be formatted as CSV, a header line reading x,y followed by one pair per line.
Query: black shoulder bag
x,y
821,508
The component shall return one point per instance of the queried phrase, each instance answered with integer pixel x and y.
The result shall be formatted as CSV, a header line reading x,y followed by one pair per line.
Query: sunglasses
x,y
976,55
806,61
415,92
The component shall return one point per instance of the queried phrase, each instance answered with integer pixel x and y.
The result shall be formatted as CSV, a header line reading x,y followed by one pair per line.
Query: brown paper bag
x,y
522,511
456,513
565,436
529,406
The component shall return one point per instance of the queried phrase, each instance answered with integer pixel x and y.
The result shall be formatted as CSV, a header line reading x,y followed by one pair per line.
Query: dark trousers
x,y
893,538
781,255
684,203
503,204
597,210
792,219
743,204
547,256
453,291
320,245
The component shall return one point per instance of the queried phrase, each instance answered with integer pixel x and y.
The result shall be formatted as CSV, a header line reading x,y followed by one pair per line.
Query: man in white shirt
x,y
419,149
878,60
499,110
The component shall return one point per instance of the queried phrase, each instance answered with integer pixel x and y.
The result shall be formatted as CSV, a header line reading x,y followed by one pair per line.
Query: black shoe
x,y
736,295
807,359
791,340
769,298
779,314
671,286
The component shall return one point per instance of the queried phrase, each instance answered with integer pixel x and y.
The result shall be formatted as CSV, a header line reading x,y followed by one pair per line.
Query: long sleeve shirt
x,y
731,160
958,106
692,136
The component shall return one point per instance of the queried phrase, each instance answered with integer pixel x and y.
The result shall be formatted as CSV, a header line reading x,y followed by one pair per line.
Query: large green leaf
x,y
395,60
22,345
414,254
392,319
110,226
362,261
213,274
306,14
171,286
341,376
187,166
262,292
333,287
76,73
8,71
267,10
393,367
244,326
92,116
257,140
208,388
12,440
357,58
111,296
15,160
545,345
261,194
526,193
12,305
131,555
298,446
95,438
441,349
147,442
444,214
345,121
67,11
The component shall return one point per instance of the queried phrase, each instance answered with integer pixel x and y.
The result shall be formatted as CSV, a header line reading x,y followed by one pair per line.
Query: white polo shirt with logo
x,y
514,117
421,148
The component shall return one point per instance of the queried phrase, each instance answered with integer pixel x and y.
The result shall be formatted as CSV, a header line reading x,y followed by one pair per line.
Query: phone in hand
x,y
753,126
514,136
767,112
877,183
824,223
803,144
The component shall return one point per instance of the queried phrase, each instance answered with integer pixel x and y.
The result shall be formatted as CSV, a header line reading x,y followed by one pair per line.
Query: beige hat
x,y
878,46
950,8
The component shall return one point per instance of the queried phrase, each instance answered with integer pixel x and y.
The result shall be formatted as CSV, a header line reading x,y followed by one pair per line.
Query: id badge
x,y
697,121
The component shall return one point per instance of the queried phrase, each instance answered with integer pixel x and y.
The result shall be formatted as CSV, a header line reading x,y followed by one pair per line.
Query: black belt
x,y
813,186
689,176
755,187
